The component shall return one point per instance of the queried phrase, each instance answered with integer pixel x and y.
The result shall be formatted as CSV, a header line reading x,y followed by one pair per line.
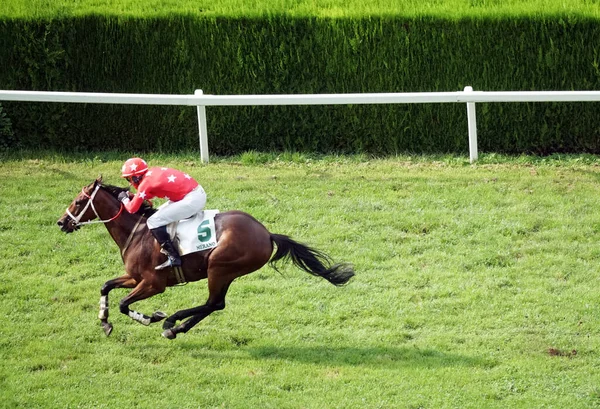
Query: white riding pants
x,y
171,212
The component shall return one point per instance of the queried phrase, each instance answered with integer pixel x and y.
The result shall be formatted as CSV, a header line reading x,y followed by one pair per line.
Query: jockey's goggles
x,y
134,180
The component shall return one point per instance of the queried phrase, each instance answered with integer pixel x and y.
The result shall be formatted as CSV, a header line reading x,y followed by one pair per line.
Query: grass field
x,y
300,8
476,287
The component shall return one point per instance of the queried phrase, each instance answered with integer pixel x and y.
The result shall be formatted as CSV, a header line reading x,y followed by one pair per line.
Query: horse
x,y
244,245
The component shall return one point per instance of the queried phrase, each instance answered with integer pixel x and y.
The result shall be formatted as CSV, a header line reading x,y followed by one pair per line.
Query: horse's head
x,y
81,208
105,206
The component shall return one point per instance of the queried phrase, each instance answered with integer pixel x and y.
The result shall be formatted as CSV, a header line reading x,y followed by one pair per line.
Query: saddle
x,y
196,233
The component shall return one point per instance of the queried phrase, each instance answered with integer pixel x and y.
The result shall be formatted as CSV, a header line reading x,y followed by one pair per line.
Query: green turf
x,y
301,8
476,287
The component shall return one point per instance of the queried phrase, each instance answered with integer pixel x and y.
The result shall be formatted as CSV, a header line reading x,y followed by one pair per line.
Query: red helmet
x,y
134,167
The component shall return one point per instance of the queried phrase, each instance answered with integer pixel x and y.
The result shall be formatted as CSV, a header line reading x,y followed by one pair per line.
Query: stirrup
x,y
171,262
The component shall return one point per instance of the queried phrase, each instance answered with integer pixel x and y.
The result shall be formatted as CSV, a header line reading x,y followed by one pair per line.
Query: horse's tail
x,y
310,260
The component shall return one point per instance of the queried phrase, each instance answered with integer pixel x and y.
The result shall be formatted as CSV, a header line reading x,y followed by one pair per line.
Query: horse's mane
x,y
145,210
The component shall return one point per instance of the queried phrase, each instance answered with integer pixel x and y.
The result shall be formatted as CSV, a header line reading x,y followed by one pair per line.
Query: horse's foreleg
x,y
124,281
142,291
216,302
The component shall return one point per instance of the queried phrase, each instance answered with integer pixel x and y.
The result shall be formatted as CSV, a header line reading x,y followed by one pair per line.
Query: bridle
x,y
90,202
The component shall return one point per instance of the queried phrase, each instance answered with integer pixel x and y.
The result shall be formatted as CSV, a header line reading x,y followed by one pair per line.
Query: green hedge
x,y
279,54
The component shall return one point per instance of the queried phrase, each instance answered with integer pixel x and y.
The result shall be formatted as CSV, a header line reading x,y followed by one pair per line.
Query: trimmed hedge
x,y
279,54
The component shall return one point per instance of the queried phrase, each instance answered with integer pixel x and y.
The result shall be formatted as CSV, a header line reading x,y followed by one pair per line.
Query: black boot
x,y
163,238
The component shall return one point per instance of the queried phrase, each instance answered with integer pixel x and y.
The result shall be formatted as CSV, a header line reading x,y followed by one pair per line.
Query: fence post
x,y
202,132
472,124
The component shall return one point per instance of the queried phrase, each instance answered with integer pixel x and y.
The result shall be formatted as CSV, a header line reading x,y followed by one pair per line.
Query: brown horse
x,y
244,246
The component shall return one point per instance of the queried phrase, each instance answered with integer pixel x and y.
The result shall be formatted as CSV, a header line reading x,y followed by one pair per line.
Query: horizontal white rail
x,y
301,99
231,100
201,100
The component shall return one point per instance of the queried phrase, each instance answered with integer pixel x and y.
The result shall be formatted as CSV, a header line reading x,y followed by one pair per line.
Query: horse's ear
x,y
98,180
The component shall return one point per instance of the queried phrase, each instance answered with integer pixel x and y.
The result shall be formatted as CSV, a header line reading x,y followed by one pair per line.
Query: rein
x,y
91,203
128,242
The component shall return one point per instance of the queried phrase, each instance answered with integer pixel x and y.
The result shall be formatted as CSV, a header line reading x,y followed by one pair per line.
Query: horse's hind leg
x,y
216,302
124,281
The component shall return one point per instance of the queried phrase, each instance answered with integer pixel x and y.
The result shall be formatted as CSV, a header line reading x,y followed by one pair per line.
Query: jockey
x,y
185,197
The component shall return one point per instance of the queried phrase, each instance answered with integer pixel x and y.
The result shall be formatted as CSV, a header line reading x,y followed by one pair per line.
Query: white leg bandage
x,y
103,314
136,316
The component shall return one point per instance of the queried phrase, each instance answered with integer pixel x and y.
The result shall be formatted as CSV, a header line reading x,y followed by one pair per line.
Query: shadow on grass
x,y
325,355
373,356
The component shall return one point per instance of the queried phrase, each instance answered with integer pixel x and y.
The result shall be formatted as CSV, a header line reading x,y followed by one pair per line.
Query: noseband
x,y
91,203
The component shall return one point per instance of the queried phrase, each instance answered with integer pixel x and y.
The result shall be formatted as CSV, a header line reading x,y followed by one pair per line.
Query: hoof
x,y
107,327
169,334
158,316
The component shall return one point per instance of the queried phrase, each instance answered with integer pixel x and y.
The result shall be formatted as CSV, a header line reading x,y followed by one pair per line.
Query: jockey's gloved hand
x,y
123,197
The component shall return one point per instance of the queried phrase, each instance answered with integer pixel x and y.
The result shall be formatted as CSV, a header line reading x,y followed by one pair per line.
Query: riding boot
x,y
167,246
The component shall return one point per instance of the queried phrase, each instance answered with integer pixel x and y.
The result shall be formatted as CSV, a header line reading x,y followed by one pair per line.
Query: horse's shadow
x,y
386,357
378,357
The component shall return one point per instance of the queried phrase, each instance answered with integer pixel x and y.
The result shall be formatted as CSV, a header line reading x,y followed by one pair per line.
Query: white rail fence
x,y
201,101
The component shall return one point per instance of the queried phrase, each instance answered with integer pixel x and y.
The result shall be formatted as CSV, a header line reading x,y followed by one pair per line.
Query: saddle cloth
x,y
196,233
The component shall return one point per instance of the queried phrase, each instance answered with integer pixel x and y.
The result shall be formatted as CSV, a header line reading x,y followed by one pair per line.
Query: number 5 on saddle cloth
x,y
196,233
